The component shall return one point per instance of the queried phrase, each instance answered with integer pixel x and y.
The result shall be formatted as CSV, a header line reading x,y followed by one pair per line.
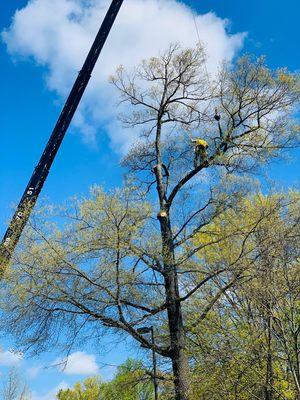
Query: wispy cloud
x,y
58,33
33,372
78,363
10,358
51,395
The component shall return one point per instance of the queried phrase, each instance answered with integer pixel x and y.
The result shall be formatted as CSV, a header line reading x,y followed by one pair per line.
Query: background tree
x,y
240,345
90,389
129,258
130,383
13,388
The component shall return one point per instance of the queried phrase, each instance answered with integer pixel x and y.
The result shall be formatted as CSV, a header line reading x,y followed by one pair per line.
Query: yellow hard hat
x,y
201,142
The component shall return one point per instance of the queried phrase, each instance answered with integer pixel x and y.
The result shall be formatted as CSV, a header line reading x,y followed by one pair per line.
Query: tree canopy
x,y
129,383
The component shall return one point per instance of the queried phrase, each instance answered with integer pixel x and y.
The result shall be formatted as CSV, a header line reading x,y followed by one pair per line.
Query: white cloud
x,y
52,394
10,359
79,363
58,34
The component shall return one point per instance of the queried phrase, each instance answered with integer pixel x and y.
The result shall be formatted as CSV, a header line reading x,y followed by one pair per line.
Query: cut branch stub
x,y
162,215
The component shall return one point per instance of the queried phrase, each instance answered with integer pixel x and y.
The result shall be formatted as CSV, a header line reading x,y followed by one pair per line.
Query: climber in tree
x,y
200,151
201,145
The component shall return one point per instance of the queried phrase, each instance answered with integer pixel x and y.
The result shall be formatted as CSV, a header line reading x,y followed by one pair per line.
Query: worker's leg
x,y
203,156
197,159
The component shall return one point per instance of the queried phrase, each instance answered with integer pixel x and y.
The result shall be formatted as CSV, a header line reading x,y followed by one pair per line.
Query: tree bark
x,y
175,319
174,310
269,373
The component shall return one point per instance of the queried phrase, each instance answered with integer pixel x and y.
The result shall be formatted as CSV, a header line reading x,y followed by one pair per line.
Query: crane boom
x,y
39,176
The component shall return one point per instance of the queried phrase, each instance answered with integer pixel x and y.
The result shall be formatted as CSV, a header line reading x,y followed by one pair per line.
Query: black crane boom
x,y
39,176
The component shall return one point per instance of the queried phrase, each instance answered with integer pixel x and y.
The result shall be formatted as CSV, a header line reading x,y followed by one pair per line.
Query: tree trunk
x,y
296,351
177,339
269,373
177,336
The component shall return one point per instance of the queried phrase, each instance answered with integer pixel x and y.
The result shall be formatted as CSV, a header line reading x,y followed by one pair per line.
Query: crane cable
x,y
198,42
196,27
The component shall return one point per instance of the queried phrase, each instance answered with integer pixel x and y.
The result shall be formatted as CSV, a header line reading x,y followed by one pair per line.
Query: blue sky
x,y
30,105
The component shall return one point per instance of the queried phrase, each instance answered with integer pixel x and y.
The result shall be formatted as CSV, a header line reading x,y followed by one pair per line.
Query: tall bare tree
x,y
129,258
13,388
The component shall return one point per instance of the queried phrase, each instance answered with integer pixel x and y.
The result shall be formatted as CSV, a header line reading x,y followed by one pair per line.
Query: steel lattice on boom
x,y
41,171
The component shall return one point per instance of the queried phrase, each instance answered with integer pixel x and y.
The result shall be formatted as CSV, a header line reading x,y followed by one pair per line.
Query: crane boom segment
x,y
39,176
